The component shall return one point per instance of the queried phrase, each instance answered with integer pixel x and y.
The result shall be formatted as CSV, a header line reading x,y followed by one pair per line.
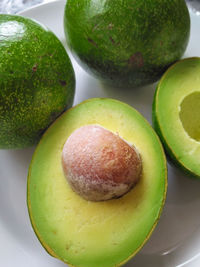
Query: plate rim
x,y
31,8
59,2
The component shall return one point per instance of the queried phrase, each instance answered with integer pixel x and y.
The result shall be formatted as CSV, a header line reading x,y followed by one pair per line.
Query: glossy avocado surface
x,y
176,114
92,234
127,43
37,81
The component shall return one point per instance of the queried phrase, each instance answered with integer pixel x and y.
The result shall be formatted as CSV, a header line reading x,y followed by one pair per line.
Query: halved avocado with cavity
x,y
84,233
176,112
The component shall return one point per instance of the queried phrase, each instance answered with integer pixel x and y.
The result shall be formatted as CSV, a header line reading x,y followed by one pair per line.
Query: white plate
x,y
176,239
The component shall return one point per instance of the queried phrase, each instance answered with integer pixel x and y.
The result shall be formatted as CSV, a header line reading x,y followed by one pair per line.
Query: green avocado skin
x,y
127,43
37,81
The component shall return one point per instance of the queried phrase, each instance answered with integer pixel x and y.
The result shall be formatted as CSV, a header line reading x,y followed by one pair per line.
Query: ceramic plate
x,y
176,239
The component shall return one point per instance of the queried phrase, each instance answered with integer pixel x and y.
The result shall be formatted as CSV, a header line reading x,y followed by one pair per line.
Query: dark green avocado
x,y
85,233
176,110
127,43
37,81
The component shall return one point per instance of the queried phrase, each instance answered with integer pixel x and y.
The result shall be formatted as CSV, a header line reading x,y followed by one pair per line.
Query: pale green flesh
x,y
178,109
91,234
190,115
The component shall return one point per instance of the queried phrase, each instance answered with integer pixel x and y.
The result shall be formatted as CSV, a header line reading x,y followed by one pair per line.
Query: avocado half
x,y
176,114
37,80
92,234
127,43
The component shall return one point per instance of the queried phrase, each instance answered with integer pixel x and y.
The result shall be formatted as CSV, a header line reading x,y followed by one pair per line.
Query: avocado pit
x,y
99,165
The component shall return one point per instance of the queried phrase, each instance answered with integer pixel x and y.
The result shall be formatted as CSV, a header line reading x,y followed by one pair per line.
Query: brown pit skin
x,y
99,165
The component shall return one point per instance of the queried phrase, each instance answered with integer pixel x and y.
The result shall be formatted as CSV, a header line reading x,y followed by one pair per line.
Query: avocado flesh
x,y
176,114
37,81
127,43
93,234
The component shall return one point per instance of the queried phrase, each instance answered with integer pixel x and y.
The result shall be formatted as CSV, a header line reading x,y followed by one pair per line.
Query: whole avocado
x,y
37,81
127,43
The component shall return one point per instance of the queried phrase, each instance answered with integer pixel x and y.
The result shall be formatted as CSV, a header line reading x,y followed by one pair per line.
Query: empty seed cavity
x,y
189,115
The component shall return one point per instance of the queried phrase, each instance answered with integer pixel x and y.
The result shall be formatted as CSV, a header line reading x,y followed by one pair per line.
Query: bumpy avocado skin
x,y
127,43
37,81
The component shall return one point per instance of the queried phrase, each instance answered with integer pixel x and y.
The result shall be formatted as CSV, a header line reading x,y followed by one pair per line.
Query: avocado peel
x,y
38,81
127,43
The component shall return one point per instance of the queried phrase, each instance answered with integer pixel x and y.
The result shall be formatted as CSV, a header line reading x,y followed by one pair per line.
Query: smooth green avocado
x,y
37,81
91,234
176,112
127,43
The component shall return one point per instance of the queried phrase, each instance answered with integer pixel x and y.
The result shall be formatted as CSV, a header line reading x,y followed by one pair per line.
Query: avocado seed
x,y
99,165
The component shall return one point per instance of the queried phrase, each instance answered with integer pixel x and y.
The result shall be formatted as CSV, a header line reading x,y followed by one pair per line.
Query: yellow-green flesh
x,y
94,234
178,112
